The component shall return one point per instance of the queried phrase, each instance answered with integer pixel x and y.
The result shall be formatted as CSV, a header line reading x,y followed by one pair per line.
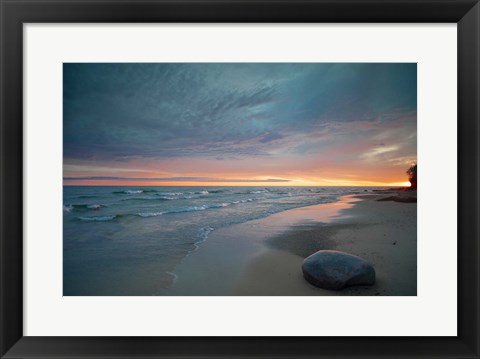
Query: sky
x,y
262,124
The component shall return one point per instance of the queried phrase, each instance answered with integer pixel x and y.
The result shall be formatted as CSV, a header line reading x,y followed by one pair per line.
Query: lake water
x,y
128,240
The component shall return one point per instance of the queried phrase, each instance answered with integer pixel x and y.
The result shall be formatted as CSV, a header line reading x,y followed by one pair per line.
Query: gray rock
x,y
337,270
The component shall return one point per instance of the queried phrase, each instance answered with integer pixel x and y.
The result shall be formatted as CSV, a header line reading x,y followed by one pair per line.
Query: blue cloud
x,y
123,111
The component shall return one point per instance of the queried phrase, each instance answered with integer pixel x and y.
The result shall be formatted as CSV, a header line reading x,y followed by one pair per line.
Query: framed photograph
x,y
221,178
243,179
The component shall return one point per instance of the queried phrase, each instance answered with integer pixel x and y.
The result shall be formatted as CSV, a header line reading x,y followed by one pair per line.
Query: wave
x,y
265,196
219,205
260,191
94,206
203,236
134,191
140,191
286,195
246,200
250,191
150,214
192,208
169,196
82,207
174,276
146,199
137,191
98,218
171,211
181,193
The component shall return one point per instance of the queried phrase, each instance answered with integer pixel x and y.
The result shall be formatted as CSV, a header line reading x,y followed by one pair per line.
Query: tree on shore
x,y
412,176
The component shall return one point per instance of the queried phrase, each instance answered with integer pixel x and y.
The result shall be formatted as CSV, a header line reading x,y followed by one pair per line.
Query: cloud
x,y
83,168
271,136
375,152
124,111
171,179
208,122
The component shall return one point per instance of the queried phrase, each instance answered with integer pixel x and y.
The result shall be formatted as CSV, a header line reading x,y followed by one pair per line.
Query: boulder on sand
x,y
337,270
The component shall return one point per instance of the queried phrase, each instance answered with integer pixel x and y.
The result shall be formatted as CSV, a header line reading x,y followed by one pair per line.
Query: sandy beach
x,y
264,257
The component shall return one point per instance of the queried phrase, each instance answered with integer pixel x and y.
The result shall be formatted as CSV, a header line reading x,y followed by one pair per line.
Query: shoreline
x,y
264,257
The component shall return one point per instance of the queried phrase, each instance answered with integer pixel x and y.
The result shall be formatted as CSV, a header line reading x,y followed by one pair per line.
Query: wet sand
x,y
264,257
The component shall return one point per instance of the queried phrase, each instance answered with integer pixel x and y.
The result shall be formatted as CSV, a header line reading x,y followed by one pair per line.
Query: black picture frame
x,y
14,13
